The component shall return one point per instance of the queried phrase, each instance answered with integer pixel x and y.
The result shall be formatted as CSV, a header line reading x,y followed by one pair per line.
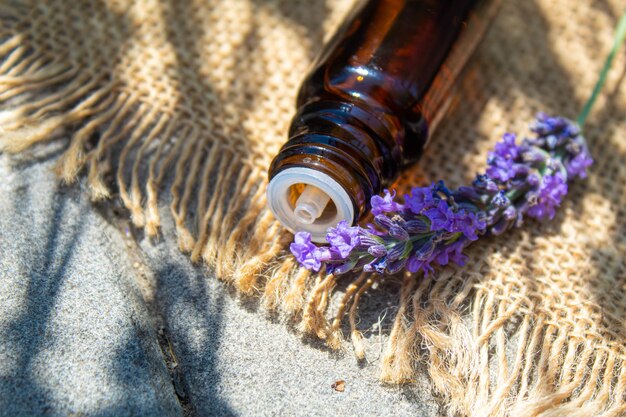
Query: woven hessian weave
x,y
177,107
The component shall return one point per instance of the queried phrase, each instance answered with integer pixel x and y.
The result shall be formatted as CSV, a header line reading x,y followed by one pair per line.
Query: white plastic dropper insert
x,y
309,212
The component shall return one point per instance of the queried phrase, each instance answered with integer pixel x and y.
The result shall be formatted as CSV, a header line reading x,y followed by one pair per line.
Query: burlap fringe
x,y
220,215
557,370
217,197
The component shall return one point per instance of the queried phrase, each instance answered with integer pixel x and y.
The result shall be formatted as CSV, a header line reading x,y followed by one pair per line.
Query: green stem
x,y
620,35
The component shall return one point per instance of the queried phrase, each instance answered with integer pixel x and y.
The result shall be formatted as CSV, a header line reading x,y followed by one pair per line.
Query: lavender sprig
x,y
435,224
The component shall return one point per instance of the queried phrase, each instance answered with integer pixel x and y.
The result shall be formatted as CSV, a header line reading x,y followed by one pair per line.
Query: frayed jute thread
x,y
516,356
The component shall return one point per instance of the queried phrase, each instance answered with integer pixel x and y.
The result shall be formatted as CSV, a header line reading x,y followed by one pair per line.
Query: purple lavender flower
x,y
533,180
483,184
435,224
509,213
398,232
377,250
383,221
578,165
507,148
500,169
467,223
385,204
379,265
372,230
415,264
452,252
419,199
440,216
552,190
418,226
546,126
343,238
500,200
306,253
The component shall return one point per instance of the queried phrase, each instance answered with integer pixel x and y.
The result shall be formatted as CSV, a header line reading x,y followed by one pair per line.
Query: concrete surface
x,y
75,336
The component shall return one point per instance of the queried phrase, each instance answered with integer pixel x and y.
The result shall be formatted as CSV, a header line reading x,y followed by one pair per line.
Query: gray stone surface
x,y
236,361
75,336
90,324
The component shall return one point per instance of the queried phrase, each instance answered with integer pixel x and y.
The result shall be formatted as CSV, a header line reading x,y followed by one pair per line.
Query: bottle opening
x,y
310,204
305,213
303,199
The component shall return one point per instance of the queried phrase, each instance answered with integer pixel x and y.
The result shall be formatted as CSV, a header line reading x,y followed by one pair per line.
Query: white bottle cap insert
x,y
322,203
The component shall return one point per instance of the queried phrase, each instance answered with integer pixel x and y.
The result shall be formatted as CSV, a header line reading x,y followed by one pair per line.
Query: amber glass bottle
x,y
368,105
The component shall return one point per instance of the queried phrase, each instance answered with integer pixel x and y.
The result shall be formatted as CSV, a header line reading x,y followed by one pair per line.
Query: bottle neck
x,y
360,150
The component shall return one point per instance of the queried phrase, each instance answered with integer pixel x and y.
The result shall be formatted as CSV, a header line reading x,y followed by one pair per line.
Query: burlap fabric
x,y
178,107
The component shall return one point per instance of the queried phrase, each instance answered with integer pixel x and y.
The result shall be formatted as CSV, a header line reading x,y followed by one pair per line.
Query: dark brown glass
x,y
378,88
